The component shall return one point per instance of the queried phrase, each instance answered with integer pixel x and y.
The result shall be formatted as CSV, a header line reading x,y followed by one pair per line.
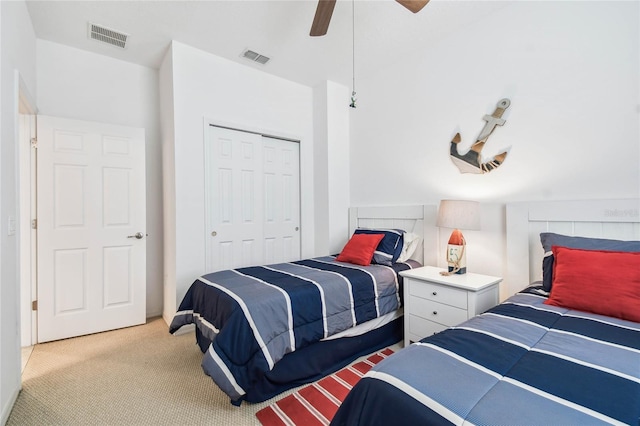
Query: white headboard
x,y
615,219
419,219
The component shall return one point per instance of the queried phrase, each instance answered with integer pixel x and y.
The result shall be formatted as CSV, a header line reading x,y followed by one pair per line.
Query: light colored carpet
x,y
134,376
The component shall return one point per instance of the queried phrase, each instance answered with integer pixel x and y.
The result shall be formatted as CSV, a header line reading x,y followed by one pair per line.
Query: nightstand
x,y
433,302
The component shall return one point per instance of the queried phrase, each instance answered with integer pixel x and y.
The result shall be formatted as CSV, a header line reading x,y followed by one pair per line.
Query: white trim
x,y
26,117
6,410
27,103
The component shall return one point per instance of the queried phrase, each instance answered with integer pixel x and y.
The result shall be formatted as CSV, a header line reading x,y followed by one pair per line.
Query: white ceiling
x,y
384,31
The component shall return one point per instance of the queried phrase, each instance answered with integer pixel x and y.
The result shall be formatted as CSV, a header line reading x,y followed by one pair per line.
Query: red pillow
x,y
602,282
359,249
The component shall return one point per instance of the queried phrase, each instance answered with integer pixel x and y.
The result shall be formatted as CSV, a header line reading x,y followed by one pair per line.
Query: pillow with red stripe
x,y
597,281
359,249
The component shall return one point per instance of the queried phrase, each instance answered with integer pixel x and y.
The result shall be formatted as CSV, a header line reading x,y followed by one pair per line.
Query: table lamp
x,y
458,214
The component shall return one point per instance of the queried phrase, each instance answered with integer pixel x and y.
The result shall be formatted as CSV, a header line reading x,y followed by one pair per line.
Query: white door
x,y
91,227
252,199
281,182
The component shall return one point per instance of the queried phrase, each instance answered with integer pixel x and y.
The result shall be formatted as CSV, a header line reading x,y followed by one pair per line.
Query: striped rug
x,y
317,403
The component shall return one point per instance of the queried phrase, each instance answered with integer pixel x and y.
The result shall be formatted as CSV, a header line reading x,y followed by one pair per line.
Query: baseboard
x,y
6,410
167,318
154,314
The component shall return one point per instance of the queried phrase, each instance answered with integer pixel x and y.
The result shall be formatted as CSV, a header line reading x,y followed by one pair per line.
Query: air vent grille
x,y
255,57
107,35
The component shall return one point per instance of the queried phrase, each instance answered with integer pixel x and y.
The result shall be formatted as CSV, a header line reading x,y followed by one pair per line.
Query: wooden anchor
x,y
471,162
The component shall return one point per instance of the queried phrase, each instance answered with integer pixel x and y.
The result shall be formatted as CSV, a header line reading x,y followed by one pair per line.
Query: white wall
x,y
76,84
571,72
331,162
17,55
205,87
337,172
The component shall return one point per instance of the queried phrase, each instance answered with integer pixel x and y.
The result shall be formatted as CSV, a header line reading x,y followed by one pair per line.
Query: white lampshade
x,y
459,214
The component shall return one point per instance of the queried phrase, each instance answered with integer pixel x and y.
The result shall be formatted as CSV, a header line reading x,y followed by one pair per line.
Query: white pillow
x,y
411,242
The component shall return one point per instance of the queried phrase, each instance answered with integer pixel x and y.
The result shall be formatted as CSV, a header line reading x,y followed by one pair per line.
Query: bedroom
x,y
569,68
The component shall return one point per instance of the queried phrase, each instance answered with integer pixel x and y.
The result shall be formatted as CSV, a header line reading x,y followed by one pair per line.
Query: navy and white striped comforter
x,y
254,316
521,363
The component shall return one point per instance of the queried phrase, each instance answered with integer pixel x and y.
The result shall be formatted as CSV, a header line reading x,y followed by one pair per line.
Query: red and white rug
x,y
317,403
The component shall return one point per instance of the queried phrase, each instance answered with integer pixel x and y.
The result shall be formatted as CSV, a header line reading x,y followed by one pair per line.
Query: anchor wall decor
x,y
471,162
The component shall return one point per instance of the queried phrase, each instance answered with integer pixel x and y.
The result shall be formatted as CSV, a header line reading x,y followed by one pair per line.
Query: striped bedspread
x,y
521,363
254,316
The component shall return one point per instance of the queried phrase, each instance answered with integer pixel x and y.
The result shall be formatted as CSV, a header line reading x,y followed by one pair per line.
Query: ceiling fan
x,y
325,10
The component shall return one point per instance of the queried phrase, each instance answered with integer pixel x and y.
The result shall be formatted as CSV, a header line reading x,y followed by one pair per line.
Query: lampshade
x,y
459,214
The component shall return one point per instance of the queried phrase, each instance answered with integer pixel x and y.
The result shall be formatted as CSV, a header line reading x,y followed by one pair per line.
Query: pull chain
x,y
353,64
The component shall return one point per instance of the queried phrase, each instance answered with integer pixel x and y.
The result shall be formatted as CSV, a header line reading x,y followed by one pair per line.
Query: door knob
x,y
137,235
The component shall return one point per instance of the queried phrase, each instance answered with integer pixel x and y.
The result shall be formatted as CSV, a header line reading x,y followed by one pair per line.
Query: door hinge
x,y
34,305
34,142
34,223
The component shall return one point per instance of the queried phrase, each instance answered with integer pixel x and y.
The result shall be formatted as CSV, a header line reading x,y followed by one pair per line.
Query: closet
x,y
252,199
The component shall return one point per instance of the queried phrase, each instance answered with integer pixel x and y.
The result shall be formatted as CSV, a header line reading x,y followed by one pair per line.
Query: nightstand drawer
x,y
438,312
419,328
439,293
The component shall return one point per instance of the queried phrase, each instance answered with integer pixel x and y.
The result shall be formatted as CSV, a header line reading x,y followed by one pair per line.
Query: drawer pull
x,y
435,312
435,293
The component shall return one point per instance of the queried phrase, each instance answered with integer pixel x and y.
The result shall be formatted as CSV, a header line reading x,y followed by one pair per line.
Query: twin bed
x,y
532,359
535,358
266,329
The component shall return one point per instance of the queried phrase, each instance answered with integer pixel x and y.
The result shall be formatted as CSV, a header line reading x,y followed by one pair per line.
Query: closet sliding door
x,y
252,192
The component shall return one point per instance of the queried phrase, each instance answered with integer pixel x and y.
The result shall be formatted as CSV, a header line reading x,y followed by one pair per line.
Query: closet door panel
x,y
233,199
282,198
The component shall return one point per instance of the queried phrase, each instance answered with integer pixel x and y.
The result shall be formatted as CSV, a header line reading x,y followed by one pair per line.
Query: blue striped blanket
x,y
254,316
521,363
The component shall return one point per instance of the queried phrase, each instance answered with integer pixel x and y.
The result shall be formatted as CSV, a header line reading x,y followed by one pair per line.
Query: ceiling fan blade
x,y
413,5
323,17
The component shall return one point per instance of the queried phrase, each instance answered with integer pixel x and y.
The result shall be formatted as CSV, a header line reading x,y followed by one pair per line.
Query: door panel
x,y
231,182
281,169
70,281
91,199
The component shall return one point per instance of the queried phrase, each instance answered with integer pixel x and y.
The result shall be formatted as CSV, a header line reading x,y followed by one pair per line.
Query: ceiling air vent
x,y
107,35
255,57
